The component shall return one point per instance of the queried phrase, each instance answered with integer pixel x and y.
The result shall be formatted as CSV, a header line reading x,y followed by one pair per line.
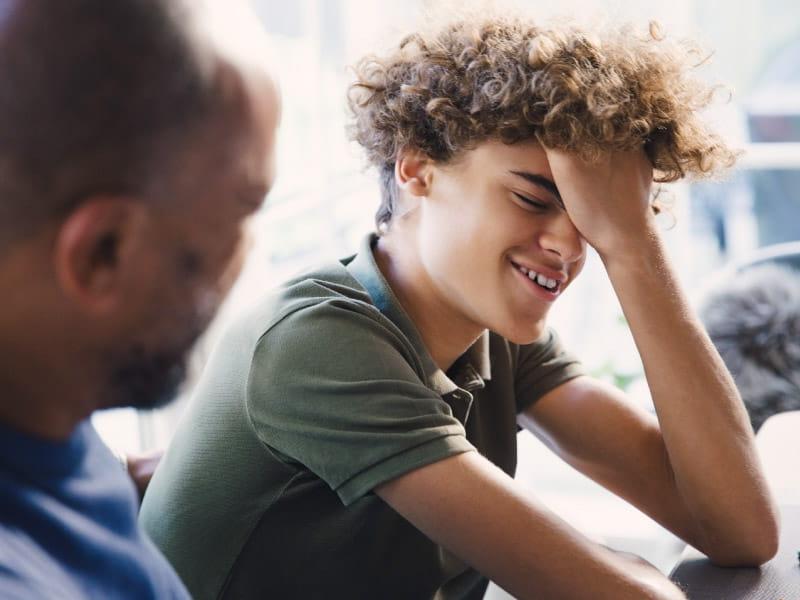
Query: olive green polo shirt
x,y
309,402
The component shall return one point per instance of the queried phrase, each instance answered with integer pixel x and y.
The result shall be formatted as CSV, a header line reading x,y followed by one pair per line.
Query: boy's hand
x,y
607,201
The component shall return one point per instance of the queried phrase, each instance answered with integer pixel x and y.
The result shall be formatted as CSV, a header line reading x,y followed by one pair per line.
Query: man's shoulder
x,y
27,570
34,567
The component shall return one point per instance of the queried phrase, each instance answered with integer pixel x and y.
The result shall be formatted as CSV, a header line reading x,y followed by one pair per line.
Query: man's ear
x,y
413,172
93,249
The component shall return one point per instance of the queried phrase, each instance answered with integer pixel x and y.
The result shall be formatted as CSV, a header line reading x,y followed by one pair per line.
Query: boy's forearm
x,y
703,421
469,506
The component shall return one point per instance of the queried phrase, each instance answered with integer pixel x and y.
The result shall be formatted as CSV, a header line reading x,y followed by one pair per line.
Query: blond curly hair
x,y
506,78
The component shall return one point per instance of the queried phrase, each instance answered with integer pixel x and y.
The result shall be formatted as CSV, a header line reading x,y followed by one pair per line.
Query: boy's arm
x,y
706,446
595,429
479,513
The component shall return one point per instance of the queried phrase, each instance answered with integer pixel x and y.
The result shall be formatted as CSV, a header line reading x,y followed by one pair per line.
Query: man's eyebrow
x,y
542,182
253,195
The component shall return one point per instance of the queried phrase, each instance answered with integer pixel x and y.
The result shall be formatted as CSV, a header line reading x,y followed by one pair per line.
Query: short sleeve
x,y
336,387
541,367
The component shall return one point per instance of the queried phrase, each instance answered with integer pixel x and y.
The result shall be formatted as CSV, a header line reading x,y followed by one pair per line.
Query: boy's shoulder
x,y
325,284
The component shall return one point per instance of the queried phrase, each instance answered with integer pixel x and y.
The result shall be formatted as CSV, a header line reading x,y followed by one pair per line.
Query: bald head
x,y
133,151
96,96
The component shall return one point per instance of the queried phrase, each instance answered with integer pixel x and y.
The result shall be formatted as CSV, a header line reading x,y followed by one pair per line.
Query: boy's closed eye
x,y
532,202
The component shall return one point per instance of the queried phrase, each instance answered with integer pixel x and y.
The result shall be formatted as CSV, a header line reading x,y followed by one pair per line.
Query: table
x,y
779,447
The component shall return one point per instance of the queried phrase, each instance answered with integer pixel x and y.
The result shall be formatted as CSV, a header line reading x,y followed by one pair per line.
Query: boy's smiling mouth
x,y
548,287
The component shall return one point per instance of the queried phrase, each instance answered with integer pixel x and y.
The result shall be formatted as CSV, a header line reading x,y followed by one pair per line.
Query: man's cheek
x,y
231,271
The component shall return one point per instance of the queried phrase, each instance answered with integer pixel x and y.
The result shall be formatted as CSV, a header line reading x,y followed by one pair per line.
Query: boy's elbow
x,y
745,557
767,547
751,552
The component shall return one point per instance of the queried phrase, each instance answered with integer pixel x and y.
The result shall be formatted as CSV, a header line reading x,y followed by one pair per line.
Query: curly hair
x,y
505,78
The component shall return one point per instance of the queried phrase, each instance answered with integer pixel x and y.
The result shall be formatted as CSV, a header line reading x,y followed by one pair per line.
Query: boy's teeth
x,y
546,282
543,281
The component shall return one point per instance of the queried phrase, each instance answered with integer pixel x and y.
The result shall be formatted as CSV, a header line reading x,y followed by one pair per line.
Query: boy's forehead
x,y
525,156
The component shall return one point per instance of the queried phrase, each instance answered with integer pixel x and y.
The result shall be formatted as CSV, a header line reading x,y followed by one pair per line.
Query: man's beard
x,y
147,378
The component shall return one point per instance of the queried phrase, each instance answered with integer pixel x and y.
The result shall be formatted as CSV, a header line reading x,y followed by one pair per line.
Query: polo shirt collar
x,y
365,269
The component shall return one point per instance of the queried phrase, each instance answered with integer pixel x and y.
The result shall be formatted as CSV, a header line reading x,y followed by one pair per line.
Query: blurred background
x,y
325,199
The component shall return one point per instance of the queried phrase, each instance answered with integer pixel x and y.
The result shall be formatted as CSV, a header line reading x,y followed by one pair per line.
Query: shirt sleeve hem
x,y
394,466
569,373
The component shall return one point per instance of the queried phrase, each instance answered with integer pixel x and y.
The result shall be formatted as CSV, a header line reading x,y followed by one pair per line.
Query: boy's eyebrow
x,y
542,182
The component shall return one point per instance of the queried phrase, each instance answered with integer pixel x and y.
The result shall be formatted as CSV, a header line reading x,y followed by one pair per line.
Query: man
x,y
355,435
132,153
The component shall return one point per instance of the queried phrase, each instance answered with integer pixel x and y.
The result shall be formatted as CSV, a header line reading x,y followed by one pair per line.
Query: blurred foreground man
x,y
131,155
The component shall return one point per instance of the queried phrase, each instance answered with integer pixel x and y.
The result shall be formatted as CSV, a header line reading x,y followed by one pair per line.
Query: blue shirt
x,y
68,524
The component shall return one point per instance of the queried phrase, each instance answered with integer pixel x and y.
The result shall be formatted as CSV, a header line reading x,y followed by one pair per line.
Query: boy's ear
x,y
413,172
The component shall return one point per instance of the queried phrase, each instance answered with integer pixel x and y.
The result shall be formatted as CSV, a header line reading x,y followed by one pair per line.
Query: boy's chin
x,y
527,334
